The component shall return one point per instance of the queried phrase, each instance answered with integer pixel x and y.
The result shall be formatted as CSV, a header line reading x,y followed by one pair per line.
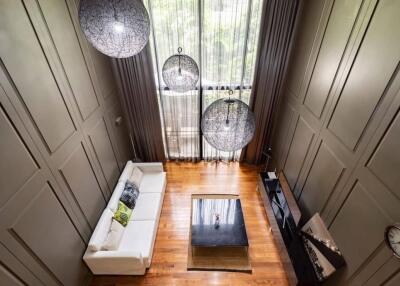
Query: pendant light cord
x,y
179,60
230,92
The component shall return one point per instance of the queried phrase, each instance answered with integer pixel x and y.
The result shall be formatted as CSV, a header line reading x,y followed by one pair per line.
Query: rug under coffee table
x,y
218,238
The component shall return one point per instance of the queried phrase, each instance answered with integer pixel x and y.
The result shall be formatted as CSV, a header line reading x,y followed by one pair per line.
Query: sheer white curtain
x,y
221,36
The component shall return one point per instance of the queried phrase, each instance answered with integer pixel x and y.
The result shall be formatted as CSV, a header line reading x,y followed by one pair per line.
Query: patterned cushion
x,y
136,177
130,194
122,214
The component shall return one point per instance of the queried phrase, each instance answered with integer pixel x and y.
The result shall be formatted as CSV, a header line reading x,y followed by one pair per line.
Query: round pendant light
x,y
228,124
180,72
117,28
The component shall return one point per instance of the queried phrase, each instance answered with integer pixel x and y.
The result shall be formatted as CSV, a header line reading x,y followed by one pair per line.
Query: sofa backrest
x,y
101,230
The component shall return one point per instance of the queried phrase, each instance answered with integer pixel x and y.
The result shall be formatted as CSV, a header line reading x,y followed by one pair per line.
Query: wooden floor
x,y
170,251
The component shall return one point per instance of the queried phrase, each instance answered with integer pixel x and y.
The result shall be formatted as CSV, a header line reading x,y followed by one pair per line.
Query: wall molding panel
x,y
8,278
302,139
385,151
58,105
368,78
83,186
313,18
335,40
318,187
101,143
347,91
18,269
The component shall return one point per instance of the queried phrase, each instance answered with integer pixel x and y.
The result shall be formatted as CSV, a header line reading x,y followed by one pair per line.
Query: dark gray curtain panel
x,y
275,34
135,79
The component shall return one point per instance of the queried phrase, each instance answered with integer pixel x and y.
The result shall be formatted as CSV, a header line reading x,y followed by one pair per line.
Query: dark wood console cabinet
x,y
284,216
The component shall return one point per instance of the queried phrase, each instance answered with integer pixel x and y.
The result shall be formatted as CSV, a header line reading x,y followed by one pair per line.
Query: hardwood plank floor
x,y
170,251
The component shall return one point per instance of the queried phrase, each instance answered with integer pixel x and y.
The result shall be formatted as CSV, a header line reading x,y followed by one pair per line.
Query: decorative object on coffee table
x,y
216,223
218,238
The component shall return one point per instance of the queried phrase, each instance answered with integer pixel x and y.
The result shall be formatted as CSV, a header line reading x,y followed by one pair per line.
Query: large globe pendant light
x,y
228,124
180,72
117,28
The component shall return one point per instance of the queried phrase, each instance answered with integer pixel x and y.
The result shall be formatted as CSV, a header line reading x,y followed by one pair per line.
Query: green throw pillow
x,y
122,214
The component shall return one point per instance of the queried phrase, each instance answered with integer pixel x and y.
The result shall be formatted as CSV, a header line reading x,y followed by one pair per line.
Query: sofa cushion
x,y
139,236
101,230
153,182
113,202
147,207
130,195
136,177
123,214
114,236
127,172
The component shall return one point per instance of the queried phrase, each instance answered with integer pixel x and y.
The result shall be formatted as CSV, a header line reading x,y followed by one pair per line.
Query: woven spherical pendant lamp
x,y
228,124
117,28
180,72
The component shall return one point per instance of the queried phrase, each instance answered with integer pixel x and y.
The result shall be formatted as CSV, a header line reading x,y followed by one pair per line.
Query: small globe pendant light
x,y
228,124
117,28
180,72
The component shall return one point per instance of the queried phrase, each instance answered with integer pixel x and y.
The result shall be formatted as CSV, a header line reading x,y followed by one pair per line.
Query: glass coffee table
x,y
218,238
217,222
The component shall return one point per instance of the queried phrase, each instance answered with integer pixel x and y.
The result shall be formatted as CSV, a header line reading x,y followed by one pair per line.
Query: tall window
x,y
221,36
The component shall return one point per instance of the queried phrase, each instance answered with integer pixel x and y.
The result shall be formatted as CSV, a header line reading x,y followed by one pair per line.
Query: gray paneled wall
x,y
61,150
338,134
7,278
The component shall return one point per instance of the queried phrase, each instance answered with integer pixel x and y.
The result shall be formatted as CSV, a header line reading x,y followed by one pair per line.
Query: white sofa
x,y
135,249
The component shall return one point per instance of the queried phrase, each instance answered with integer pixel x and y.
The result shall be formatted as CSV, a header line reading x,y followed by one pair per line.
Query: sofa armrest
x,y
150,167
114,262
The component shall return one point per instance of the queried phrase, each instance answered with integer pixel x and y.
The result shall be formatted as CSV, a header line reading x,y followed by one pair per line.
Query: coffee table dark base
x,y
227,258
